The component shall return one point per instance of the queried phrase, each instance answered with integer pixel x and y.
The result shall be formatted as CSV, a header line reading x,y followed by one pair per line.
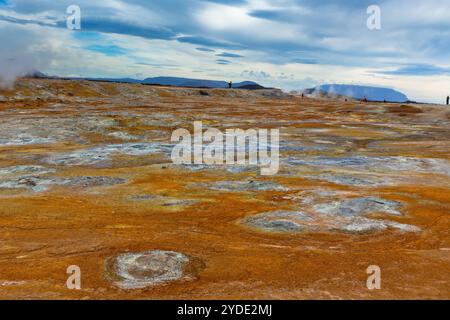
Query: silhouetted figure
x,y
448,100
365,99
230,84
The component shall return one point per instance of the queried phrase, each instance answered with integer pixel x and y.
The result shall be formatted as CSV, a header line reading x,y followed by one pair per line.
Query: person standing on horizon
x,y
448,100
230,84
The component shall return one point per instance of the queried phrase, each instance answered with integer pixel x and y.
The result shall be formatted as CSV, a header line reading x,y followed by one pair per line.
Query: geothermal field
x,y
86,179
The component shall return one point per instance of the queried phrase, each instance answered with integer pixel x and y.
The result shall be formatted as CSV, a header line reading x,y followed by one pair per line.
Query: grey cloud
x,y
418,69
223,61
255,74
229,55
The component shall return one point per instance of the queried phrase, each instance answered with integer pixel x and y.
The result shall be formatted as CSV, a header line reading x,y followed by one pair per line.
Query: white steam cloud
x,y
23,51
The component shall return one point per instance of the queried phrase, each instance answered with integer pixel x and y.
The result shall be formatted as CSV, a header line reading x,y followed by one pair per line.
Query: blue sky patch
x,y
108,49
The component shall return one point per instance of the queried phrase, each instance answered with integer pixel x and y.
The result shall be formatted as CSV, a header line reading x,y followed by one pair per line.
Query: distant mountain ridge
x,y
196,83
165,81
360,92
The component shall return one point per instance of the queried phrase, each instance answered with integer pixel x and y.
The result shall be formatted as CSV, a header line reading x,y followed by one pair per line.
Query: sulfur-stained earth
x,y
86,180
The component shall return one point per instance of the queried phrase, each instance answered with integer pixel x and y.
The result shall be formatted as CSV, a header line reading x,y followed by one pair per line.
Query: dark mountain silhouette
x,y
196,83
252,87
36,74
163,81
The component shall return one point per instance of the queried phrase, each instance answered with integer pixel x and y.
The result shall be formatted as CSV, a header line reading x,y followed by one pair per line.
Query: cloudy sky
x,y
291,44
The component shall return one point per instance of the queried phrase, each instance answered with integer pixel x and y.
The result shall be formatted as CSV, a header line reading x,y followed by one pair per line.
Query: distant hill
x,y
35,74
359,92
196,83
164,81
252,87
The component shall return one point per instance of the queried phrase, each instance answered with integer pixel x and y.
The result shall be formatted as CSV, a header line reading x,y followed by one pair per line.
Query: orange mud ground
x,y
42,232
